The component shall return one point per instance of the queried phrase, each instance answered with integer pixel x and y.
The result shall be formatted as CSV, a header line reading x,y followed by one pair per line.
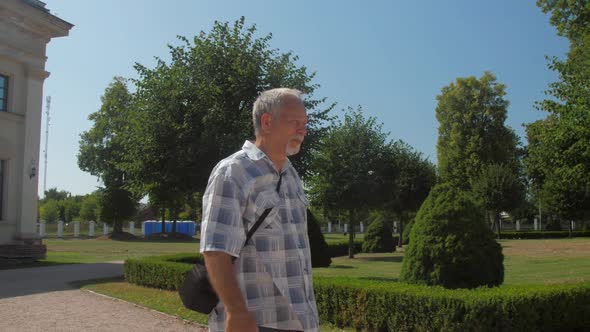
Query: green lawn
x,y
518,269
94,250
526,261
339,237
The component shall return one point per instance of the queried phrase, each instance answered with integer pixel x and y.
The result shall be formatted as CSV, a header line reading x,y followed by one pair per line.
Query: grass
x,y
547,261
95,250
164,301
526,261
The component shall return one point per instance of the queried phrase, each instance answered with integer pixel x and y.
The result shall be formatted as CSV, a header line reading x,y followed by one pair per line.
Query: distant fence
x,y
91,229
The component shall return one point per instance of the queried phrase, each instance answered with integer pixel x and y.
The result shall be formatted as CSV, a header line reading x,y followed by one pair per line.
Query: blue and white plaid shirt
x,y
274,269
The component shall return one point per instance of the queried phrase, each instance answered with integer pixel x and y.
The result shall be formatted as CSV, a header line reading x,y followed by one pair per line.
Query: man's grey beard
x,y
293,151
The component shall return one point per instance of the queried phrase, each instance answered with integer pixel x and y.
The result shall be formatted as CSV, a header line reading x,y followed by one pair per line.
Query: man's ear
x,y
265,121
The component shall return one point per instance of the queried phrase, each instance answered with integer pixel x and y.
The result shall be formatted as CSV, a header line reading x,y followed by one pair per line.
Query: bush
x,y
379,236
164,272
553,225
451,244
337,249
390,306
407,230
320,257
368,305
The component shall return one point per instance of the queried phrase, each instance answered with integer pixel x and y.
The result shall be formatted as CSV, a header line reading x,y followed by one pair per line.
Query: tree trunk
x,y
497,220
401,230
570,229
350,234
175,216
117,226
163,220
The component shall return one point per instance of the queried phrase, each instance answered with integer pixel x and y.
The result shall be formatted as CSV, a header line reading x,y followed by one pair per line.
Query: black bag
x,y
196,291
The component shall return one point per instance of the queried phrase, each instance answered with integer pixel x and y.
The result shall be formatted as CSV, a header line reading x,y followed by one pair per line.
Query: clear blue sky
x,y
390,57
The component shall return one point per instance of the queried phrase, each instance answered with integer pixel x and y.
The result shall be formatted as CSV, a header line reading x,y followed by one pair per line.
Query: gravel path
x,y
76,310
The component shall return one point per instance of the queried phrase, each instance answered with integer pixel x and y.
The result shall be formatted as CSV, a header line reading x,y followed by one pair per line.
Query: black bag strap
x,y
263,215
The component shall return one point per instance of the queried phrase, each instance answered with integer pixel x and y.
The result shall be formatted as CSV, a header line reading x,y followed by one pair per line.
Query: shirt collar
x,y
254,153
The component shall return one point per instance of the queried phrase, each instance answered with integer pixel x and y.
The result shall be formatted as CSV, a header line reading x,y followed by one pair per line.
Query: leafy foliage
x,y
349,166
559,146
102,149
499,189
197,109
320,256
451,245
379,237
471,113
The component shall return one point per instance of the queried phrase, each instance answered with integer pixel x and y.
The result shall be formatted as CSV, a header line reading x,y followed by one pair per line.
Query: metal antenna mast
x,y
48,106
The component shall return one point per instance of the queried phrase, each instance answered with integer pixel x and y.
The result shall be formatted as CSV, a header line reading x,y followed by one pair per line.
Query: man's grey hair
x,y
270,101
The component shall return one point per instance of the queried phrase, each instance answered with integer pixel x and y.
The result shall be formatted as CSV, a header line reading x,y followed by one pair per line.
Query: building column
x,y
31,139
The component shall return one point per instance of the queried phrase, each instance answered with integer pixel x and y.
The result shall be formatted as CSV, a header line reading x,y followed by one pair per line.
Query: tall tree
x,y
499,189
88,208
471,113
408,180
58,195
196,109
349,166
101,151
558,158
50,210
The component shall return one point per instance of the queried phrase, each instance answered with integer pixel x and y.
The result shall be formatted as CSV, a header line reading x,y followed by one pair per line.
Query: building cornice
x,y
33,20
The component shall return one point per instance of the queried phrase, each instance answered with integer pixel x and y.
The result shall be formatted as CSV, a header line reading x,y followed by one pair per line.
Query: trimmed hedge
x,y
368,305
381,306
164,272
542,234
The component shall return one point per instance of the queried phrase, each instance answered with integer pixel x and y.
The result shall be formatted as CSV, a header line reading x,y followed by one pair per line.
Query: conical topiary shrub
x,y
451,245
320,255
379,237
407,230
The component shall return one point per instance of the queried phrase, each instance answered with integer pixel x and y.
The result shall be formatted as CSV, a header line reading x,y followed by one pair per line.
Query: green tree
x,y
72,207
50,211
196,109
450,243
57,195
558,159
114,206
88,208
102,149
409,178
499,189
471,113
349,166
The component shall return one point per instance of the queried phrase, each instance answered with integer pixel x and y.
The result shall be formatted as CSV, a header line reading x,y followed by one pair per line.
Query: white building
x,y
26,27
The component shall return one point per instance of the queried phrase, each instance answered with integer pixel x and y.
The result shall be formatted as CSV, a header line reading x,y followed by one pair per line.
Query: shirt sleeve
x,y
222,228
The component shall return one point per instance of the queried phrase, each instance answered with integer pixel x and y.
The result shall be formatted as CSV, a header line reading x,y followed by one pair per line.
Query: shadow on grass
x,y
82,283
24,265
342,267
395,259
380,279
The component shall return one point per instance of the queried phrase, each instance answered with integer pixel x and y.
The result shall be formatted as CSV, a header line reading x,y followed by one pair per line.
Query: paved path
x,y
33,280
42,299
